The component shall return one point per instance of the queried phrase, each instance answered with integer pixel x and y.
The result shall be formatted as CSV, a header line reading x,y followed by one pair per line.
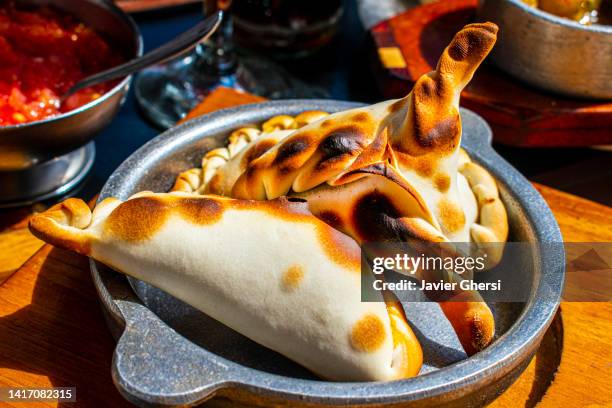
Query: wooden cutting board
x,y
409,45
52,331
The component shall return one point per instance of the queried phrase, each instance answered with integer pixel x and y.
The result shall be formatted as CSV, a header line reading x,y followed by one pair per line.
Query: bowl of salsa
x,y
44,51
46,46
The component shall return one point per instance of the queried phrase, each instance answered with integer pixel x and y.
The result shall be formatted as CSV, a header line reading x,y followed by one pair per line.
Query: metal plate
x,y
550,52
47,180
169,353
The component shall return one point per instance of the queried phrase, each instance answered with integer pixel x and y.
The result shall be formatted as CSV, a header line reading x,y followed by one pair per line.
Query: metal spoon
x,y
182,43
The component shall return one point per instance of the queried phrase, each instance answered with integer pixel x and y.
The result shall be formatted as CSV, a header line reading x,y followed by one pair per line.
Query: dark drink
x,y
285,28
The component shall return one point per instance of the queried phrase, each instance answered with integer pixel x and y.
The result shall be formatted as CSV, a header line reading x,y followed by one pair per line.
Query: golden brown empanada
x,y
393,171
411,142
293,285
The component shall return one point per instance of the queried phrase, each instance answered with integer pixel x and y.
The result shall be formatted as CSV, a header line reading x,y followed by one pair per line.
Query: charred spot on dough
x,y
423,165
471,43
360,117
215,184
292,277
337,148
368,334
251,171
442,182
375,202
340,248
343,141
459,49
451,215
281,207
426,88
330,218
374,217
327,123
374,152
200,210
382,169
286,169
433,128
443,133
396,106
137,219
291,148
256,151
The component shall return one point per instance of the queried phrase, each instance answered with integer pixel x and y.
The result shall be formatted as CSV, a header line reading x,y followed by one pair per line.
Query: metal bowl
x,y
38,159
171,354
550,52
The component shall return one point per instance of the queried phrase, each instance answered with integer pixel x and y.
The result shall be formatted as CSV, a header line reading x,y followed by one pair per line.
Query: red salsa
x,y
43,52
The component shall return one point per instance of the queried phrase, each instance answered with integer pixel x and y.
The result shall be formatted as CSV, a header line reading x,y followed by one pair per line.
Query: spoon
x,y
182,43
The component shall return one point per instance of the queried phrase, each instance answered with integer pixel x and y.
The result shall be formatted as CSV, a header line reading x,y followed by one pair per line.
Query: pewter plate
x,y
168,353
553,53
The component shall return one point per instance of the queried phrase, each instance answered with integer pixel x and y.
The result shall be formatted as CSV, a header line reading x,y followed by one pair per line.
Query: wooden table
x,y
52,332
135,6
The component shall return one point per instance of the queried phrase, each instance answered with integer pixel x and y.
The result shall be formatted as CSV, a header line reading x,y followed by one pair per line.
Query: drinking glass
x,y
166,93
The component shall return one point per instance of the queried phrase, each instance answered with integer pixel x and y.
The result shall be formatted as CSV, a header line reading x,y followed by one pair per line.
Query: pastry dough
x,y
411,142
393,171
293,286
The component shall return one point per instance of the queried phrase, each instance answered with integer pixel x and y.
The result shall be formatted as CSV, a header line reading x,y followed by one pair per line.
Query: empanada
x,y
413,143
293,286
393,171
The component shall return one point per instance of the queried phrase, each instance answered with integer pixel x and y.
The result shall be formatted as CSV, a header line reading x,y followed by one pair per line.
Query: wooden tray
x,y
409,45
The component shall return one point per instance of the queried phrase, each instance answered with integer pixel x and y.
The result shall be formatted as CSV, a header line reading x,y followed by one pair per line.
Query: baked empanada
x,y
393,171
413,143
293,286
